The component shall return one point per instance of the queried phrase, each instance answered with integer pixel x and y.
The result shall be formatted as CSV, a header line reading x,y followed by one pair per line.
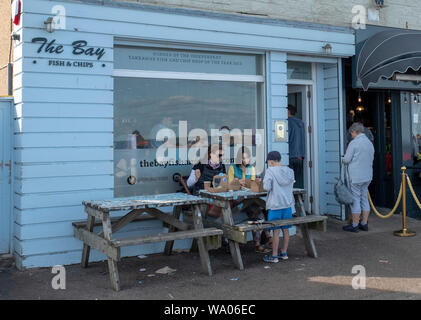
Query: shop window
x,y
416,127
146,102
299,70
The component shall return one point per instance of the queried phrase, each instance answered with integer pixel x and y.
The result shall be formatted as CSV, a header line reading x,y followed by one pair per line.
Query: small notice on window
x,y
415,117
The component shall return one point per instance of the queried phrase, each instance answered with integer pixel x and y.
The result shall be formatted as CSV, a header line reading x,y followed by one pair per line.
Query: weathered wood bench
x,y
236,233
107,244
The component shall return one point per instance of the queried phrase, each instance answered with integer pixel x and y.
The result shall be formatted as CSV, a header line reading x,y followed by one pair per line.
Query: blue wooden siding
x,y
64,116
329,134
6,181
202,30
277,100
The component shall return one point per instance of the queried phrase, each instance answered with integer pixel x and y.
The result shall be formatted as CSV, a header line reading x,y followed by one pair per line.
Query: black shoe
x,y
350,228
363,227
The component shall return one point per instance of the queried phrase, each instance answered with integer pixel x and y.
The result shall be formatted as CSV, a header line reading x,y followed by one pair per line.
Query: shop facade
x,y
383,90
90,96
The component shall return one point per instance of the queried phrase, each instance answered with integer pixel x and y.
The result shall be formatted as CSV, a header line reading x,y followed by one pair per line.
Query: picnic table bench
x,y
236,233
138,206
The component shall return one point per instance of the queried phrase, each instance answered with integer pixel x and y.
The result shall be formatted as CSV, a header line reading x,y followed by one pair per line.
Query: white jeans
x,y
360,195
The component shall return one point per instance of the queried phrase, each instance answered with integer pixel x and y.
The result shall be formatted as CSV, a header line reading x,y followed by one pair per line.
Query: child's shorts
x,y
280,214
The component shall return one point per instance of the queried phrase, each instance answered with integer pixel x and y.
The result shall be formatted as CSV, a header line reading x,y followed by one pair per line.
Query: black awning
x,y
388,52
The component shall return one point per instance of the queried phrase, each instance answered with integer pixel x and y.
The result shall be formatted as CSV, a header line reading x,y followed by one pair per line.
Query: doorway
x,y
299,96
378,111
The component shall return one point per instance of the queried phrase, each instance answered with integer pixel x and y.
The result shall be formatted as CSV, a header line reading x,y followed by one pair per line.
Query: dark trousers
x,y
297,165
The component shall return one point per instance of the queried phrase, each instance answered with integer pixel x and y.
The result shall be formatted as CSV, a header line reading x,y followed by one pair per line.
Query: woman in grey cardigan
x,y
359,158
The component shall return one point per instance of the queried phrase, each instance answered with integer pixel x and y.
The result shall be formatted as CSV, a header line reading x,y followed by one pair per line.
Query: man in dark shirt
x,y
296,141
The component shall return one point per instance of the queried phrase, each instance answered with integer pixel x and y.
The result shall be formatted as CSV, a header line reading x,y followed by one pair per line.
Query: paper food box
x,y
255,185
234,185
219,183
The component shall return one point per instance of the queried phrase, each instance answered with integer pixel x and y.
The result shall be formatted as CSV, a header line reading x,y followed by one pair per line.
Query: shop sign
x,y
80,48
157,59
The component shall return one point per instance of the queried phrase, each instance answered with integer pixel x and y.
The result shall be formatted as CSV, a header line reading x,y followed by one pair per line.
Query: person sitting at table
x,y
205,171
242,170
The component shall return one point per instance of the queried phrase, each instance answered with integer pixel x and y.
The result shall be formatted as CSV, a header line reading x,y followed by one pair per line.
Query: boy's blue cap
x,y
274,155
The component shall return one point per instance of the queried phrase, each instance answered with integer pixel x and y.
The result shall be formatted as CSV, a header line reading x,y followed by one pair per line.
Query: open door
x,y
300,97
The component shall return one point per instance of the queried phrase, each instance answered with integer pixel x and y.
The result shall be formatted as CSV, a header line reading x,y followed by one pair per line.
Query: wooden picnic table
x,y
138,206
236,233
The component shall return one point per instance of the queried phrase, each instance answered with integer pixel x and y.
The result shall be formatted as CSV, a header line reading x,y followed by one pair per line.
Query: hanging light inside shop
x,y
359,97
415,98
389,100
360,108
406,99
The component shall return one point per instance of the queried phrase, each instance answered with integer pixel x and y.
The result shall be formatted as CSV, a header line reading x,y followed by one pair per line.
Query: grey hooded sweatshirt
x,y
278,182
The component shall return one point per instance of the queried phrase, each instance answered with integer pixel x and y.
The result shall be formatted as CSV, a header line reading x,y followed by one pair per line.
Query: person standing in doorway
x,y
367,131
359,159
296,141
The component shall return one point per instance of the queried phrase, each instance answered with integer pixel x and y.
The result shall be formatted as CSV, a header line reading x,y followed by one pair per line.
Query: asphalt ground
x,y
392,267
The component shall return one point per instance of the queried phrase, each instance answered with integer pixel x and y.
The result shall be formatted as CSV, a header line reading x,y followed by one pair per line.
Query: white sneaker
x,y
283,256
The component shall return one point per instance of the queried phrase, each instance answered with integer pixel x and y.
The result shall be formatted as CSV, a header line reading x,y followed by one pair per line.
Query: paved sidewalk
x,y
393,269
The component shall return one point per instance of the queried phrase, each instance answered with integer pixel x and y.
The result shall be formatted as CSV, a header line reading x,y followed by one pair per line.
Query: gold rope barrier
x,y
391,212
413,192
404,232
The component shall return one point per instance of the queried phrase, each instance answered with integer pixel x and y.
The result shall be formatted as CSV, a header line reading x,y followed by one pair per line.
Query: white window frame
x,y
129,73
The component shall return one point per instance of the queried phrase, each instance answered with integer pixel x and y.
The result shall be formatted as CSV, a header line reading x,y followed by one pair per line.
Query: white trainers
x,y
283,256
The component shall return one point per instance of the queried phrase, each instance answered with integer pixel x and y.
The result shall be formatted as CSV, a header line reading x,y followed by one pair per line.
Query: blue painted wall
x,y
5,174
64,116
277,100
328,105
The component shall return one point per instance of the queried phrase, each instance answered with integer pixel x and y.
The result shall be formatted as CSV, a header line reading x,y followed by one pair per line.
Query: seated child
x,y
242,170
